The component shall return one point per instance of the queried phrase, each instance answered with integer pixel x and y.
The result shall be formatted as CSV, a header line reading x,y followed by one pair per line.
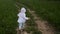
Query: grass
x,y
8,17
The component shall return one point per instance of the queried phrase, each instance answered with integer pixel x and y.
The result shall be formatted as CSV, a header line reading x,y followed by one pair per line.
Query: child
x,y
22,18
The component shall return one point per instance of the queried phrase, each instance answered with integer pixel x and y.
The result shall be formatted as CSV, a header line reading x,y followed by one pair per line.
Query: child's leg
x,y
23,25
20,26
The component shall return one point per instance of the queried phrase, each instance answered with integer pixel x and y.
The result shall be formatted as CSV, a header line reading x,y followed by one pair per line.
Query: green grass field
x,y
47,10
8,17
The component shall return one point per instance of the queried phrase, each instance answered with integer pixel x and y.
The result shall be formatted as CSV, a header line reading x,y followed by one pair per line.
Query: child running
x,y
22,18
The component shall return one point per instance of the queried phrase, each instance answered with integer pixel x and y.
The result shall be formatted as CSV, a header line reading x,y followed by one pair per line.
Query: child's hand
x,y
28,18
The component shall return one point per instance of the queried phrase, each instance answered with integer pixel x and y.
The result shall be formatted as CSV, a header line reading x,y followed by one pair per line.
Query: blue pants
x,y
21,25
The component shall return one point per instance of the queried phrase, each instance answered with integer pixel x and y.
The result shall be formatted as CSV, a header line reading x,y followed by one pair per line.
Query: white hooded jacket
x,y
22,16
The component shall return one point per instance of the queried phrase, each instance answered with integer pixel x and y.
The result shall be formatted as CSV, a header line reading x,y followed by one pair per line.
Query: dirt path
x,y
42,25
21,32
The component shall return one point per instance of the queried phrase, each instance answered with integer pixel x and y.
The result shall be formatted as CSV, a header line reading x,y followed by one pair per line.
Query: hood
x,y
23,10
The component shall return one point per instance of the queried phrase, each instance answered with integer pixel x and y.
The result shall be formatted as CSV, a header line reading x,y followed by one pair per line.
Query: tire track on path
x,y
43,26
